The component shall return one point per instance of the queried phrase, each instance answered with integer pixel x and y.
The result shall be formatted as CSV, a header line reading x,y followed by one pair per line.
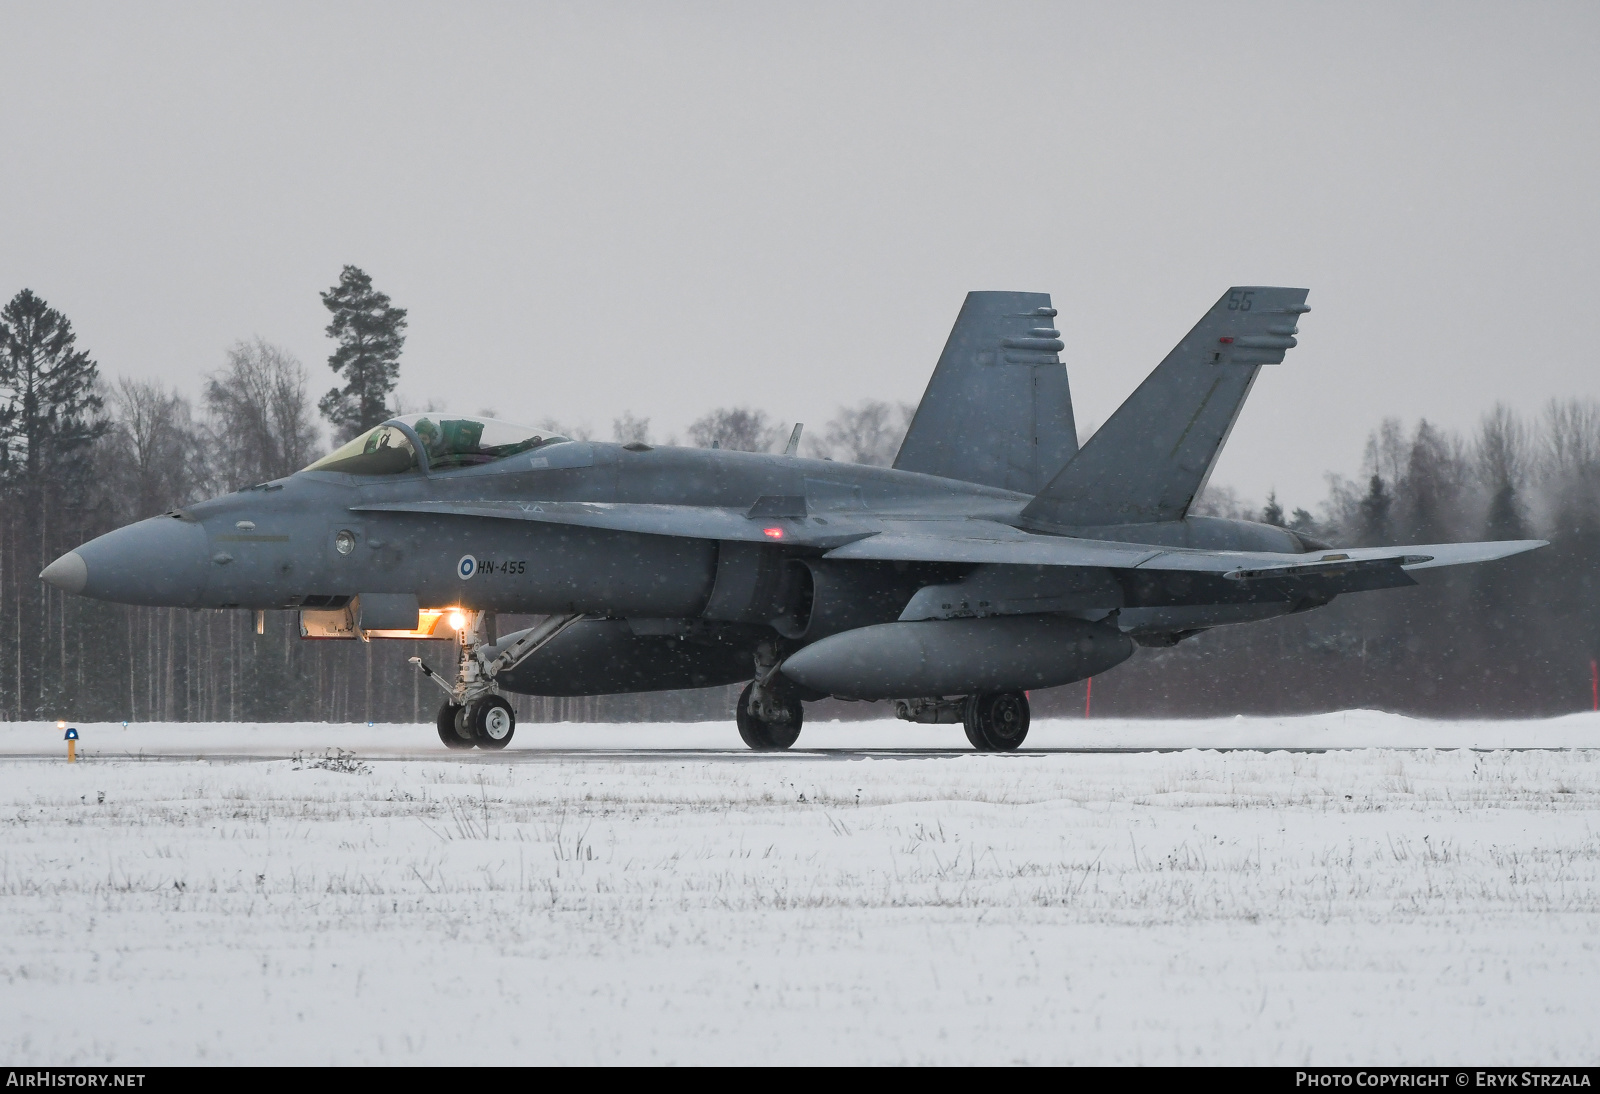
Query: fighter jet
x,y
996,555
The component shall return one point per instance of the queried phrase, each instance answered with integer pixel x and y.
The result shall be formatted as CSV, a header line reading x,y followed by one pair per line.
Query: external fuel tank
x,y
958,656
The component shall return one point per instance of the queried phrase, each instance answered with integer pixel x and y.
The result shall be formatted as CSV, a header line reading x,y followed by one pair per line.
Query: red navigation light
x,y
772,533
1226,341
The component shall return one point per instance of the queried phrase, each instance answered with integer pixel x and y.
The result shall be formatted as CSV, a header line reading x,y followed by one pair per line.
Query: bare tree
x,y
1572,437
575,432
1386,455
869,432
630,430
153,457
1570,468
1501,464
261,417
1223,501
405,404
737,428
1501,455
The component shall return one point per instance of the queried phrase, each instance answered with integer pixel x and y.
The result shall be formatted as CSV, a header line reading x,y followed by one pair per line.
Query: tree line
x,y
81,455
1518,637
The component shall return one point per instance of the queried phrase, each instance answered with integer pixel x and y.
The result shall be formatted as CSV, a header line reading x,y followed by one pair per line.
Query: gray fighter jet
x,y
995,556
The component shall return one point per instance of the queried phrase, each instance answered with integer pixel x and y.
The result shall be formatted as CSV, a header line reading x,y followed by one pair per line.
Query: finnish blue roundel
x,y
466,567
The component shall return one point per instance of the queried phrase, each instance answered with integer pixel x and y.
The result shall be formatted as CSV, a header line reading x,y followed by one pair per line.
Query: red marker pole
x,y
1088,696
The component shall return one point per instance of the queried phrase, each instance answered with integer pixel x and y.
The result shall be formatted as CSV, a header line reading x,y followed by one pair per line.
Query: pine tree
x,y
51,408
1429,492
371,333
1272,512
50,419
1374,510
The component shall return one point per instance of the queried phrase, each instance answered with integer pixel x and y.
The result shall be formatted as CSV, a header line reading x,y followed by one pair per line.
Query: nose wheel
x,y
492,722
449,733
487,723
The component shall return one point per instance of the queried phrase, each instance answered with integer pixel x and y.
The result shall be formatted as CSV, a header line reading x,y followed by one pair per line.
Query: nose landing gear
x,y
474,711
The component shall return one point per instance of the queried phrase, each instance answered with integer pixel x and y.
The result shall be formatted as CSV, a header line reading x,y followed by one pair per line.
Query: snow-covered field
x,y
626,898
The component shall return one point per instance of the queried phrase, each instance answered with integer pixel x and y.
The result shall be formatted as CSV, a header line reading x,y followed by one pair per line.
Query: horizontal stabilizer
x,y
1154,455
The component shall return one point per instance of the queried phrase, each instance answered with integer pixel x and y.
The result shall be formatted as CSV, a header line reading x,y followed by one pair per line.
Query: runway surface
x,y
718,742
528,756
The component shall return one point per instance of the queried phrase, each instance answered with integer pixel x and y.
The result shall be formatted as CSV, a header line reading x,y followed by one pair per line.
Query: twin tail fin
x,y
997,410
1153,456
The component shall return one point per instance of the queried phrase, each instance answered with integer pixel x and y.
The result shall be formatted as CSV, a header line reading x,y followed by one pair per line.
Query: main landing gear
x,y
474,712
995,721
769,713
768,725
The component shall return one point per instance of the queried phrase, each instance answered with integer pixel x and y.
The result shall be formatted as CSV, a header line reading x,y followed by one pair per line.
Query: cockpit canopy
x,y
448,441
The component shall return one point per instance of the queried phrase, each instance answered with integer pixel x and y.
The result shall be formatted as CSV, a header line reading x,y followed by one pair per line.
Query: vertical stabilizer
x,y
998,410
1152,457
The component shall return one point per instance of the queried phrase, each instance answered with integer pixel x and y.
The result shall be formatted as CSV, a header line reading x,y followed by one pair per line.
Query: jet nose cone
x,y
69,573
160,562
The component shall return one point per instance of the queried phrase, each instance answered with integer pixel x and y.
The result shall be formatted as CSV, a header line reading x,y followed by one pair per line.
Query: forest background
x,y
81,455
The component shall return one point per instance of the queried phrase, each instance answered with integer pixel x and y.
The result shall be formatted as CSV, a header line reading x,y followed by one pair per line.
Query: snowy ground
x,y
632,895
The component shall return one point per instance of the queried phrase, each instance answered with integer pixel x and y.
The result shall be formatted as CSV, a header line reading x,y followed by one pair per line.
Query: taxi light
x,y
772,533
457,621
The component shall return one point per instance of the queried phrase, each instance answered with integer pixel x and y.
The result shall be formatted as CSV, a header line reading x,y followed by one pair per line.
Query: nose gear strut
x,y
474,712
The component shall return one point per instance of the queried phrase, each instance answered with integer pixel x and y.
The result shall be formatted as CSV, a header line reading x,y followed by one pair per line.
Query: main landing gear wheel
x,y
770,734
996,721
492,722
447,721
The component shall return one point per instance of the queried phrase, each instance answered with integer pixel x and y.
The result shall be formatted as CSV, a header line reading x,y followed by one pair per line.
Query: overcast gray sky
x,y
659,208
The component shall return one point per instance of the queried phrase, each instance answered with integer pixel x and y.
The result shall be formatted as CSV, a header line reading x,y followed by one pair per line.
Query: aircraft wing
x,y
969,541
1262,565
986,541
691,521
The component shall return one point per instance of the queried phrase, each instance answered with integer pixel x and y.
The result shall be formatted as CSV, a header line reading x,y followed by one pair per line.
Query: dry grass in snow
x,y
1353,907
